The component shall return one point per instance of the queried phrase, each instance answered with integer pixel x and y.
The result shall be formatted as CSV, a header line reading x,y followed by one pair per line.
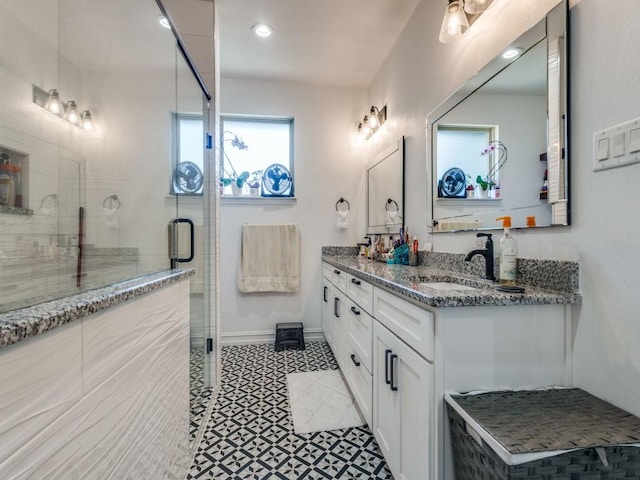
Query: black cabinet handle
x,y
354,360
324,294
337,272
387,380
335,306
355,311
355,281
394,385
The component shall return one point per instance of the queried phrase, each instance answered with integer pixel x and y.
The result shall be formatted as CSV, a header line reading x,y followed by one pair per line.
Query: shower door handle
x,y
173,242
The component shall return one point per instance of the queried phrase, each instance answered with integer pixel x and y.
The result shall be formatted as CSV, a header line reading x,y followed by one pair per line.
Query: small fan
x,y
187,178
277,181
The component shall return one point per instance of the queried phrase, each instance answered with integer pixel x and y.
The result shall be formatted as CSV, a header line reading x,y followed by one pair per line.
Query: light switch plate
x,y
617,146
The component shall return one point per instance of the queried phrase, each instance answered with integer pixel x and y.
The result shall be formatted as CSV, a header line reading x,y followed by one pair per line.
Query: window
x,y
257,156
187,177
461,147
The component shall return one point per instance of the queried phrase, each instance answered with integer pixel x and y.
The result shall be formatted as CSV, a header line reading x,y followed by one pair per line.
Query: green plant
x,y
484,184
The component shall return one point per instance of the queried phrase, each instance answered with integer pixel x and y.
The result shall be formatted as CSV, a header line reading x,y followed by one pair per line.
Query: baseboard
x,y
245,338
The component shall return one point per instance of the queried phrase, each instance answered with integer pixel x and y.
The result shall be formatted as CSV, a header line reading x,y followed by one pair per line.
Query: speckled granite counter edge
x,y
399,279
18,325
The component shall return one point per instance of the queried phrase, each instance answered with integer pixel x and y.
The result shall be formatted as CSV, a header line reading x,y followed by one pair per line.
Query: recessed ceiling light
x,y
162,20
511,53
262,30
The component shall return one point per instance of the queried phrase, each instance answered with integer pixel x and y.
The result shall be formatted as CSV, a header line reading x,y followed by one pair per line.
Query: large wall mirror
x,y
498,145
385,190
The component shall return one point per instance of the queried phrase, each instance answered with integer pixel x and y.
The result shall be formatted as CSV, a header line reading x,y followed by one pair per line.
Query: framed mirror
x,y
385,190
498,145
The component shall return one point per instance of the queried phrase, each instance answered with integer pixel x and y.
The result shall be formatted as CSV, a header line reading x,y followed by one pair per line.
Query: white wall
x,y
327,166
420,73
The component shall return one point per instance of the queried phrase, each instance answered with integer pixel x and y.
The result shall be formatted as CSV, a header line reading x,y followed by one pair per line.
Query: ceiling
x,y
327,42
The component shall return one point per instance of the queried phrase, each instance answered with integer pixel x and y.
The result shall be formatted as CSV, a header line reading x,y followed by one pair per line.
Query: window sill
x,y
255,200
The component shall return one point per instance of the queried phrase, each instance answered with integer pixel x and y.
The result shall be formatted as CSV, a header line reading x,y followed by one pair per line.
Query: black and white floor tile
x,y
250,432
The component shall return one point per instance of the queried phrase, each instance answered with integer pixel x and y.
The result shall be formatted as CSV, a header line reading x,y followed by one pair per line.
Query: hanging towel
x,y
269,259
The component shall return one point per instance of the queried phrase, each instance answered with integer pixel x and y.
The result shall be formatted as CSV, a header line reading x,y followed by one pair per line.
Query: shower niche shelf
x,y
14,182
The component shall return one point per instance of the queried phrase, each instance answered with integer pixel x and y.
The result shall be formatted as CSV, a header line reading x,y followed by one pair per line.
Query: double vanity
x,y
404,336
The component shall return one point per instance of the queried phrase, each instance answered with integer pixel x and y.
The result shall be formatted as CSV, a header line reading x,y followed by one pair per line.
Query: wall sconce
x,y
371,122
455,22
50,101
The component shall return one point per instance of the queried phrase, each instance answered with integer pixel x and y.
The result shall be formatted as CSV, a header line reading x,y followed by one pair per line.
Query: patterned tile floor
x,y
250,433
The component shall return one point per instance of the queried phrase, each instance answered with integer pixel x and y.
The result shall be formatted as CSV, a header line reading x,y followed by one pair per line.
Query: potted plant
x,y
484,185
254,182
470,190
230,176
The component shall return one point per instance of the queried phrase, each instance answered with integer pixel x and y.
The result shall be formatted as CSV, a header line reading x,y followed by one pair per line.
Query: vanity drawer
x,y
360,333
360,292
411,323
360,383
335,276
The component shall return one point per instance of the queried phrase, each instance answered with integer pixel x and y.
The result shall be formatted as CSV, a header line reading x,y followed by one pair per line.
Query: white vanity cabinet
x,y
348,328
402,405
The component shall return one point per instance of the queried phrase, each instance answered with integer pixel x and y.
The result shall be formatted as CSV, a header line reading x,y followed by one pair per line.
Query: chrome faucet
x,y
487,253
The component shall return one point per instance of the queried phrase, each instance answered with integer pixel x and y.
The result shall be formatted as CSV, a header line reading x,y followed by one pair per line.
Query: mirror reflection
x,y
492,142
385,190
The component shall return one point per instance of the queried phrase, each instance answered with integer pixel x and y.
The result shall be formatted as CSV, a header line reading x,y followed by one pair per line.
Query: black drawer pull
x,y
387,380
354,360
335,306
355,311
337,272
394,385
324,294
355,281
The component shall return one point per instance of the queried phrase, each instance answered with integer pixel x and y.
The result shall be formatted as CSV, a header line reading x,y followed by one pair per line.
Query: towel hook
x,y
341,201
110,199
389,202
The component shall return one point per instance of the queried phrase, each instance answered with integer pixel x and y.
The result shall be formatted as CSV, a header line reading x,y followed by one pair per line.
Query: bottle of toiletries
x,y
508,254
7,192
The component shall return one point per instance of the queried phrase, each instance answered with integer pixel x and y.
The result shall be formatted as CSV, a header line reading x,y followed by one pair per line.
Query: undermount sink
x,y
446,286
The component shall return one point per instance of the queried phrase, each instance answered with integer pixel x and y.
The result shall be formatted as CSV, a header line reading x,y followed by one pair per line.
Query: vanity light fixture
x,y
371,122
377,117
69,111
262,30
53,102
87,123
454,23
457,16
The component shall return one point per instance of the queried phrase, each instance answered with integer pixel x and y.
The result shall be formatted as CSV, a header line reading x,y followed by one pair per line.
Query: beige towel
x,y
269,259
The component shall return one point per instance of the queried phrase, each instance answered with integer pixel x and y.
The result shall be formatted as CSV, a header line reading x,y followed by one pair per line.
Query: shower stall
x,y
105,172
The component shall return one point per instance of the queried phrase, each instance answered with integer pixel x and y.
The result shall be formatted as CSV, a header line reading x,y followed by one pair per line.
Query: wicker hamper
x,y
545,434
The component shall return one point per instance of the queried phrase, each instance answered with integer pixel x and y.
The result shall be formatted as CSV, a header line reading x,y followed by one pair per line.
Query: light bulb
x,y
164,21
262,30
53,102
71,114
366,129
454,23
87,123
374,121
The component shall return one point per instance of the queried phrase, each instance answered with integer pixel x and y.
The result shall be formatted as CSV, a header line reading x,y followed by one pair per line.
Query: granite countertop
x,y
20,324
408,282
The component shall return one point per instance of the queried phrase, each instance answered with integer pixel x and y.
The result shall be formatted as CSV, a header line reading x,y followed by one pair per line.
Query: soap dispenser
x,y
508,254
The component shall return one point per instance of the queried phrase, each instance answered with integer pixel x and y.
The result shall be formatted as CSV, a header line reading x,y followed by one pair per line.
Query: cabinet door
x,y
339,323
402,406
327,305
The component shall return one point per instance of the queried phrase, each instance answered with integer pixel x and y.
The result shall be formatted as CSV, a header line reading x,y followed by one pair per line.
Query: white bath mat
x,y
321,401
